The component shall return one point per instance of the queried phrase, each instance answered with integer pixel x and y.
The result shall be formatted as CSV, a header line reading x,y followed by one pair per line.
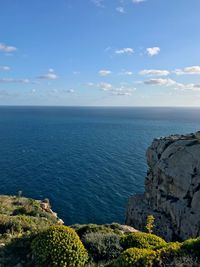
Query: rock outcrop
x,y
172,188
45,206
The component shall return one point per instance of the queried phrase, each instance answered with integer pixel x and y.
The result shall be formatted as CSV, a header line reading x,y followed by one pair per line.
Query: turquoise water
x,y
87,161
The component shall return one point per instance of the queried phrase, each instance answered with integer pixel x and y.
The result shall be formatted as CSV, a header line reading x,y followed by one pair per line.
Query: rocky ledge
x,y
172,188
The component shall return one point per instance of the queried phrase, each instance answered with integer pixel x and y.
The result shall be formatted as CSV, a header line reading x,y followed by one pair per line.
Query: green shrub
x,y
94,228
59,246
168,254
192,246
21,223
102,246
142,240
135,257
30,207
26,210
18,251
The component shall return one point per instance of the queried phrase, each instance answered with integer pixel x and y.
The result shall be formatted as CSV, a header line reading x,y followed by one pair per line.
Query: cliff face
x,y
172,188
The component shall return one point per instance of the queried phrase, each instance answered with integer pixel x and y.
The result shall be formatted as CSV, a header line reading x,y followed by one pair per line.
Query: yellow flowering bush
x,y
192,246
135,257
59,246
142,240
169,253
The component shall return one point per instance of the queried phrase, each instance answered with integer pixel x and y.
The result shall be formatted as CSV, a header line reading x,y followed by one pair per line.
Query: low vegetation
x,y
59,246
135,257
30,236
142,240
102,246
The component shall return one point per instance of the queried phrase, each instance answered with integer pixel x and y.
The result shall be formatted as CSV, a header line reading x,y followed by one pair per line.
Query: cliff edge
x,y
172,188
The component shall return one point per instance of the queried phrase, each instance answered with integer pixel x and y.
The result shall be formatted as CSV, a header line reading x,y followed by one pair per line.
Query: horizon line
x,y
90,106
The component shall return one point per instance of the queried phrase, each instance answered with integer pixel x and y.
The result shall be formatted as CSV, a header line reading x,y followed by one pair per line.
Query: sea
x,y
86,160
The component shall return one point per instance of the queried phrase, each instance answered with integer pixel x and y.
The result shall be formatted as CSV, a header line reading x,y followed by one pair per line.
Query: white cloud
x,y
7,48
98,3
176,85
188,70
187,86
60,92
11,80
105,86
4,68
120,9
123,91
69,91
126,50
118,91
153,51
90,84
161,82
138,82
126,72
104,72
51,75
155,72
138,1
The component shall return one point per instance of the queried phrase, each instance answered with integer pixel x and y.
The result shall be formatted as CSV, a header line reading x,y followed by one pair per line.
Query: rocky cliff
x,y
172,188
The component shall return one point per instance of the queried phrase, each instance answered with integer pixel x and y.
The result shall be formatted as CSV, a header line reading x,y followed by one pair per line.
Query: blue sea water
x,y
87,161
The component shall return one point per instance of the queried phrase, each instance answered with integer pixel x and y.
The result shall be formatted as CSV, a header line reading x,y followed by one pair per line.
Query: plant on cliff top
x,y
192,246
169,253
142,240
95,228
21,223
59,246
135,257
150,224
102,246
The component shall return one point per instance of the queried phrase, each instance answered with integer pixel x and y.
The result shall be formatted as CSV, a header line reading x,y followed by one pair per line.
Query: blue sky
x,y
100,52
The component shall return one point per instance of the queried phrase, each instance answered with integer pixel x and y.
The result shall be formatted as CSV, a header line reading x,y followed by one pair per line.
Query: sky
x,y
100,52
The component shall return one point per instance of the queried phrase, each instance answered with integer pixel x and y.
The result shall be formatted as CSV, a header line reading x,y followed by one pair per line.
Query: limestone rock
x,y
128,229
172,188
46,207
60,221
